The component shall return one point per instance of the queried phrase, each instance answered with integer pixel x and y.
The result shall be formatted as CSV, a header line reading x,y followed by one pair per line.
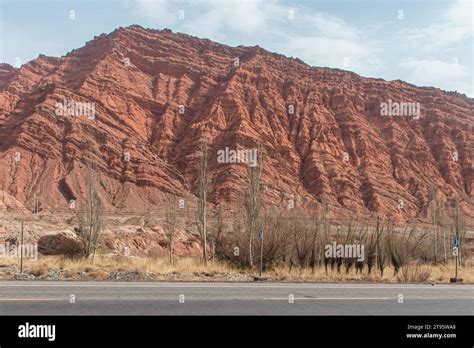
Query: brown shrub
x,y
39,270
414,274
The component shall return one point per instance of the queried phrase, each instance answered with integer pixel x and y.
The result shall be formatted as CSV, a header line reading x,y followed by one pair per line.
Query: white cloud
x,y
453,27
317,38
158,10
433,72
229,17
323,39
208,17
331,26
326,40
338,53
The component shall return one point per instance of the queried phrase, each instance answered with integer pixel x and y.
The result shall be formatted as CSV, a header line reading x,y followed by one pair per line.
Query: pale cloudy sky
x,y
424,42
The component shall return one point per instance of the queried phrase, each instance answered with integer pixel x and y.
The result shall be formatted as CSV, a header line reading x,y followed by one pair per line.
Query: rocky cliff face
x,y
139,103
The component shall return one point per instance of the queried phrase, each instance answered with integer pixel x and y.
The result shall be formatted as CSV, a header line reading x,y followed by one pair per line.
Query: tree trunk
x,y
202,188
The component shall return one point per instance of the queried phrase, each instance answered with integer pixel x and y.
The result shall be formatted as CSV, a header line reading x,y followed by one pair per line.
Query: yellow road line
x,y
33,299
330,298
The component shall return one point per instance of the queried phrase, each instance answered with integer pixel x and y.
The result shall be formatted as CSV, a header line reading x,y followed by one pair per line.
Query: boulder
x,y
60,243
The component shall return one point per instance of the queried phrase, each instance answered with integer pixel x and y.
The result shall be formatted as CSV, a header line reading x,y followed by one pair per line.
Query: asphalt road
x,y
109,298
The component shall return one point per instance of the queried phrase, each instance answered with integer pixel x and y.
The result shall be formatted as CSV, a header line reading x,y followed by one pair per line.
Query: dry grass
x,y
104,265
194,269
414,273
39,270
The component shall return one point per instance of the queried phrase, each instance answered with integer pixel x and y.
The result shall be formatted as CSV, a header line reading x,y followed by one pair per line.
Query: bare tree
x,y
443,229
356,231
276,239
326,231
349,239
459,230
89,214
434,222
218,228
253,201
380,247
303,243
407,246
317,246
202,189
171,220
371,242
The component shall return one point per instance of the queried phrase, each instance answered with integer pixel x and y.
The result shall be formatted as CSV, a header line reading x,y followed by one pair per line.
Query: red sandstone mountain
x,y
178,89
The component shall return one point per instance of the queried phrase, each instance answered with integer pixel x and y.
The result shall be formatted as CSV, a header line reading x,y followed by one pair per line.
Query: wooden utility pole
x,y
21,246
260,236
433,220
